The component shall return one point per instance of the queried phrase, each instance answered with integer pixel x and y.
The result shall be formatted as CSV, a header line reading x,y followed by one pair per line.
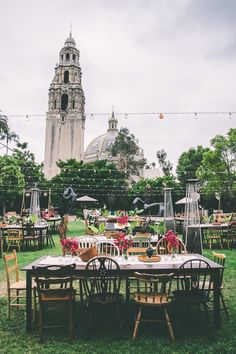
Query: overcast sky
x,y
138,55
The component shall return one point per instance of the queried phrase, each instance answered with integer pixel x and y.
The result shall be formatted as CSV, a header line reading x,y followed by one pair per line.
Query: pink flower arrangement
x,y
70,245
123,242
123,219
172,239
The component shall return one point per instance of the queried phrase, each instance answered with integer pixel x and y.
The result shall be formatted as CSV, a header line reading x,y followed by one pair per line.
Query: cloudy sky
x,y
144,56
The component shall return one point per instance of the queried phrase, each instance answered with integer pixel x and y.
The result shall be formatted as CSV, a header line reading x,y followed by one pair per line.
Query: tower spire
x,y
112,122
71,29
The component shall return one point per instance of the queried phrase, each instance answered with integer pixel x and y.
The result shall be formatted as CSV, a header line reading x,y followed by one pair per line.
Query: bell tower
x,y
65,121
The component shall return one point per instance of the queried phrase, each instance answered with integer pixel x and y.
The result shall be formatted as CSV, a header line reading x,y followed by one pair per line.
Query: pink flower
x,y
122,219
172,239
123,242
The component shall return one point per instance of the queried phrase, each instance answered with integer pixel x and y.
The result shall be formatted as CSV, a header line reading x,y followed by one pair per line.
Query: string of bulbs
x,y
160,115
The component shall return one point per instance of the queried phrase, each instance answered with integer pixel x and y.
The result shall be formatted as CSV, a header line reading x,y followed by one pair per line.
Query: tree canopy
x,y
129,154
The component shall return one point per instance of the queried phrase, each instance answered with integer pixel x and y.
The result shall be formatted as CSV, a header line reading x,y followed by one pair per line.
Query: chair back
x,y
102,277
14,235
107,247
140,241
11,267
86,241
163,247
195,275
54,281
156,287
220,259
135,251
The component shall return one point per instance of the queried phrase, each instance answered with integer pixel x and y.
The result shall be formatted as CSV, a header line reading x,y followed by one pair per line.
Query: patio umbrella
x,y
182,201
86,198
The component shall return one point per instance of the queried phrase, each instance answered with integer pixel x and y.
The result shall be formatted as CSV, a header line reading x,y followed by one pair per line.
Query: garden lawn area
x,y
195,337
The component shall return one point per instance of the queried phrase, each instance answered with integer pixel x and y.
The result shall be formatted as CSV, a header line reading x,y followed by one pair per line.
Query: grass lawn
x,y
108,338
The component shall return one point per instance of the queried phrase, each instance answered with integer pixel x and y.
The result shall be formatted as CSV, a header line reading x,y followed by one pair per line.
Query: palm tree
x,y
6,134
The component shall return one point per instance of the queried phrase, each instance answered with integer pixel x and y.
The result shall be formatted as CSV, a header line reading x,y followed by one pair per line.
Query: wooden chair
x,y
140,241
231,234
214,236
102,285
14,238
15,286
132,282
31,236
55,288
107,248
194,280
155,294
220,259
162,247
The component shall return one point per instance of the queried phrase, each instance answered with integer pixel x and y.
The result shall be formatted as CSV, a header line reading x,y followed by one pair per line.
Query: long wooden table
x,y
166,265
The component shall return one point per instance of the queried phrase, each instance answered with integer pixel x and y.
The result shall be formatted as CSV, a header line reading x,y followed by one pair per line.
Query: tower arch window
x,y
73,57
67,56
73,104
64,102
62,57
55,104
66,77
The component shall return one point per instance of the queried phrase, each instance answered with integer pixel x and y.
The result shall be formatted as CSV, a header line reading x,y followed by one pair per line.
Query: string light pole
x,y
193,235
168,210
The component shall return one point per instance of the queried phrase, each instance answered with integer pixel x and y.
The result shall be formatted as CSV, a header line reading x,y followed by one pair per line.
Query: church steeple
x,y
112,122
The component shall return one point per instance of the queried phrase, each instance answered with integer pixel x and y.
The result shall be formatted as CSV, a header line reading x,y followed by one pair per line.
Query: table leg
x,y
216,306
28,301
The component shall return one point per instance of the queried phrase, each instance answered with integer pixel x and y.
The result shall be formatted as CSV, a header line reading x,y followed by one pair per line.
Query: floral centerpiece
x,y
69,245
122,221
123,242
172,242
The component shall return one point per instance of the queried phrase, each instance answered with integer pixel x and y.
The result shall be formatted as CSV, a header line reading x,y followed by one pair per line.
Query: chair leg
x,y
8,306
169,325
70,320
137,321
224,306
34,304
41,321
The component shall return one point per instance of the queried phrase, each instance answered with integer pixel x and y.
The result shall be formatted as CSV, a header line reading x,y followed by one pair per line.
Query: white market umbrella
x,y
182,201
86,198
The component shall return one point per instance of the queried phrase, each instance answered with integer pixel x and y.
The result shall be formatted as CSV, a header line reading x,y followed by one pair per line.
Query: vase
x,y
173,254
124,254
149,252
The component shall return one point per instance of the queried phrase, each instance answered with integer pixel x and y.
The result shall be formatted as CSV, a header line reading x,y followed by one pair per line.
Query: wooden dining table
x,y
127,268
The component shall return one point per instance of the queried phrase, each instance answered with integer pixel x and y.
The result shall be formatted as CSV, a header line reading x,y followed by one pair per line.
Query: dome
x,y
99,147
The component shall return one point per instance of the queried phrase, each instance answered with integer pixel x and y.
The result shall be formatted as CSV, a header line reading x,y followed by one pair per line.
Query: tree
x,y
31,170
128,152
218,168
12,181
101,180
165,164
6,134
188,164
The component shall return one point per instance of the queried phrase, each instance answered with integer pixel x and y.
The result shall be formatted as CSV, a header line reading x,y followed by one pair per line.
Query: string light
x,y
126,114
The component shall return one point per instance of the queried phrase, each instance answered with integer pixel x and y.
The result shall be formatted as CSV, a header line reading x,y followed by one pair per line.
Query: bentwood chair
x,y
102,285
55,288
155,294
194,280
162,247
86,241
14,238
16,288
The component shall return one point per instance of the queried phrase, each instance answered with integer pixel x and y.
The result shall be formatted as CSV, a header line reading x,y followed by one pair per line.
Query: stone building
x,y
65,122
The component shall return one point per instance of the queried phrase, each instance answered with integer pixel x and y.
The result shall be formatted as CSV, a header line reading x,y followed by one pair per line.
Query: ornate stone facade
x,y
65,122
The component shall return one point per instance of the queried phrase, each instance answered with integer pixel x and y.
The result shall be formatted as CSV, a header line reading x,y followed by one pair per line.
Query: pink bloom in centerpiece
x,y
70,245
123,242
123,219
172,239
